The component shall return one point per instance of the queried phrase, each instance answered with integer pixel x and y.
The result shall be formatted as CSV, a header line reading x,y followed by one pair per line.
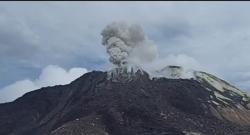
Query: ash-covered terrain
x,y
122,102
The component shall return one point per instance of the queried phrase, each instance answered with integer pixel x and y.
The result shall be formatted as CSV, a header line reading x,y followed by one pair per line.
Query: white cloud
x,y
179,60
50,76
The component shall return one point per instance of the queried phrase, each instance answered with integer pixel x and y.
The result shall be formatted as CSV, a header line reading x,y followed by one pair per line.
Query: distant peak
x,y
174,72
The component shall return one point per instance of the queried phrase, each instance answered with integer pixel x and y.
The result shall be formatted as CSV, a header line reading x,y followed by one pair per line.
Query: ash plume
x,y
127,44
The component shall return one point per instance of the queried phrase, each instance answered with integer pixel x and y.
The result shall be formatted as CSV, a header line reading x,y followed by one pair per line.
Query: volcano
x,y
130,103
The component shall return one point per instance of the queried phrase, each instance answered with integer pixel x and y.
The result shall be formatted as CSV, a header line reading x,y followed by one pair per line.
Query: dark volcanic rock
x,y
94,105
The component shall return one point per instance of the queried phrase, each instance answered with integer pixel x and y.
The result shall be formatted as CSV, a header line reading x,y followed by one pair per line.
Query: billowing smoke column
x,y
130,50
127,44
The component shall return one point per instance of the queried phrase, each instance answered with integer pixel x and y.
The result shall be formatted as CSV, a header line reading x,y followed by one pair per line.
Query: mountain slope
x,y
96,104
231,103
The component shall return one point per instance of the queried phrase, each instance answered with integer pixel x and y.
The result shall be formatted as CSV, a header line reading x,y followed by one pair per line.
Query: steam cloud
x,y
127,44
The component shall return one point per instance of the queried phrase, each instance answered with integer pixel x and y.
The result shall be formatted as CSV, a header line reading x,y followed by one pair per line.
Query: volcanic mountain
x,y
122,102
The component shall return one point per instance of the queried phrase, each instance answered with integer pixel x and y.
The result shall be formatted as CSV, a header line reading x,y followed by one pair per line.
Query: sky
x,y
50,43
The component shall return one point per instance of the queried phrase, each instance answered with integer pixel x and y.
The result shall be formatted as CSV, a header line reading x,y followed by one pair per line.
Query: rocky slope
x,y
231,103
121,103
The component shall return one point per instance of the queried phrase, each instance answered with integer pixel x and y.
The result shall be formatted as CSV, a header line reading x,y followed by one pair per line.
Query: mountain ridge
x,y
93,104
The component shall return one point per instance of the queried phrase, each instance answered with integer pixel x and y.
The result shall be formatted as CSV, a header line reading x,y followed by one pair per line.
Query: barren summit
x,y
95,105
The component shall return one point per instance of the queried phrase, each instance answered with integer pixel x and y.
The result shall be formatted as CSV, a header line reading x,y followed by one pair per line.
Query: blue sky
x,y
209,36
